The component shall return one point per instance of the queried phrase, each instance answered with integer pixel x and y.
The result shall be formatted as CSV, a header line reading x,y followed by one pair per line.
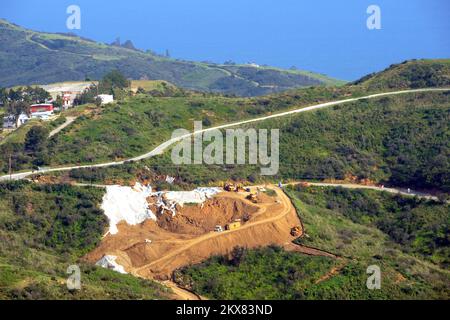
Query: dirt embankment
x,y
155,249
202,218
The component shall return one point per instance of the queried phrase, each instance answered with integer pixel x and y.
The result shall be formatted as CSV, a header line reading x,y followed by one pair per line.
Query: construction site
x,y
189,233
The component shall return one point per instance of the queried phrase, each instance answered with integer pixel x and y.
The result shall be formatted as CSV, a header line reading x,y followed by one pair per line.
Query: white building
x,y
68,99
106,98
21,119
252,64
9,122
67,91
13,122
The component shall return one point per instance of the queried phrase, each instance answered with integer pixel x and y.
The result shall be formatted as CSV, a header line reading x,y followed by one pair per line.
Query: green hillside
x,y
272,273
30,57
44,230
409,74
400,140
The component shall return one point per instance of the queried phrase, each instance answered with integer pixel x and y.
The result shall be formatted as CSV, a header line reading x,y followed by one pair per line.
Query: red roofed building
x,y
42,110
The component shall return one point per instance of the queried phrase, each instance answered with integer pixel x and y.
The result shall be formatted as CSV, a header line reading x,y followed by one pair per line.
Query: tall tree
x,y
18,107
36,139
113,80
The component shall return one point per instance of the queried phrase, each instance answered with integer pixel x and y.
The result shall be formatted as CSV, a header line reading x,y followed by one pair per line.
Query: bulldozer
x,y
296,231
253,197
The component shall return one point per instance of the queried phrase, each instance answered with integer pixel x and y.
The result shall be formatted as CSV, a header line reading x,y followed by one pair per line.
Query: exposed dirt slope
x,y
200,219
269,222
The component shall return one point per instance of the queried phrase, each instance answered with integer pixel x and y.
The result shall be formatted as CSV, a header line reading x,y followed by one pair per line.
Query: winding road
x,y
405,192
162,147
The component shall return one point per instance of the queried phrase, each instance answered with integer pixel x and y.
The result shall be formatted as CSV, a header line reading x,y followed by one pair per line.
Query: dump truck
x,y
296,231
218,228
233,225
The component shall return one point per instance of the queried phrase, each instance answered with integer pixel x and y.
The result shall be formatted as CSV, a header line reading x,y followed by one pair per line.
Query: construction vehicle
x,y
231,187
296,231
233,225
253,197
218,229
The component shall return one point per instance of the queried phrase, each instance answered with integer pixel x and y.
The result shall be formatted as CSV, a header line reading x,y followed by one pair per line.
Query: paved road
x,y
162,147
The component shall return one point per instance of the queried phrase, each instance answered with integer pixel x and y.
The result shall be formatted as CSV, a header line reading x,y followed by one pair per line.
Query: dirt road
x,y
405,192
68,122
286,209
180,293
171,249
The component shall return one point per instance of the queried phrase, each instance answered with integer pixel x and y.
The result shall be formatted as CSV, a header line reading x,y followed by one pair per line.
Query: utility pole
x,y
10,166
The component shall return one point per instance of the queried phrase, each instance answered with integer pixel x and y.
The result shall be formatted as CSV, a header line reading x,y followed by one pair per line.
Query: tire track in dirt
x,y
182,293
334,271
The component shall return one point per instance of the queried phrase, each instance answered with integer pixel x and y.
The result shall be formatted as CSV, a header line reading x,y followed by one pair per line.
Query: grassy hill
x,y
409,74
401,140
30,57
44,230
271,273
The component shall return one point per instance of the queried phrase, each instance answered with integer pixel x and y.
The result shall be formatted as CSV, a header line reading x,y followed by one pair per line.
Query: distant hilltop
x,y
31,57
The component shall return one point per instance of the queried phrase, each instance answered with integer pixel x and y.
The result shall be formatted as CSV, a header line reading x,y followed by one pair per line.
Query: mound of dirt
x,y
202,218
154,249
264,198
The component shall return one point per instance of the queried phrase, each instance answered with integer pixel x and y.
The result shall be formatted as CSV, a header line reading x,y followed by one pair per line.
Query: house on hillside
x,y
68,98
22,119
106,98
9,122
12,122
67,91
41,111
